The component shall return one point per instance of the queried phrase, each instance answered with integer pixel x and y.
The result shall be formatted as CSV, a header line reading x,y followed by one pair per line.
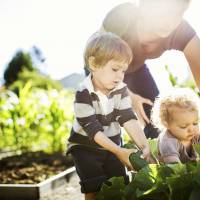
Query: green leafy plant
x,y
36,119
136,161
37,81
155,181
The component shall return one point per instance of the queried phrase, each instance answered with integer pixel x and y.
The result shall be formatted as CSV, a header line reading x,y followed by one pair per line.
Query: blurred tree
x,y
23,68
20,61
37,81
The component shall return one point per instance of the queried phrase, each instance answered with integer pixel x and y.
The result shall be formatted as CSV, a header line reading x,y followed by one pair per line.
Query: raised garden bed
x,y
32,175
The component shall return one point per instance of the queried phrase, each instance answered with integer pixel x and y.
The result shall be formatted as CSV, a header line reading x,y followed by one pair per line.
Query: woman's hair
x,y
182,98
106,46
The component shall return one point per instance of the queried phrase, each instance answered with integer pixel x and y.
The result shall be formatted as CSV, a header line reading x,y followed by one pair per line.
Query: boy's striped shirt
x,y
96,112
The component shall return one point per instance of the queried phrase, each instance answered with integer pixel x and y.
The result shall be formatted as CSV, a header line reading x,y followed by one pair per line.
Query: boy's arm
x,y
128,120
137,135
122,153
85,113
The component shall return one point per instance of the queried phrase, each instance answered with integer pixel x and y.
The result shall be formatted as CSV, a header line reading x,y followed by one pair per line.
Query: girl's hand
x,y
196,139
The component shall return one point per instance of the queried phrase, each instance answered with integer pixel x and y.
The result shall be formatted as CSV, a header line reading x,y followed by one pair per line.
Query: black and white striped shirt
x,y
94,112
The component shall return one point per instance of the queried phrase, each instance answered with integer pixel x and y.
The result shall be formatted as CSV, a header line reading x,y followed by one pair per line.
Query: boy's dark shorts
x,y
95,166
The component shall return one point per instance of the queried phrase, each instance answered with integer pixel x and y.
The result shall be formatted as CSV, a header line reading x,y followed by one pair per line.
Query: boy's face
x,y
183,124
107,77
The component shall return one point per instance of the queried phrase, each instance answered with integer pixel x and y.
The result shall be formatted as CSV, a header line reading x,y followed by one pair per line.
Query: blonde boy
x,y
176,114
102,105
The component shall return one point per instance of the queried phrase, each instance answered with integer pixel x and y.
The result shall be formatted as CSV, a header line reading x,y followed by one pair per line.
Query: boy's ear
x,y
91,62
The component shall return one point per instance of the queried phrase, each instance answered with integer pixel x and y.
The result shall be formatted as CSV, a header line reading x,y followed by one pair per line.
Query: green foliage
x,y
20,70
114,189
163,182
136,161
197,148
153,146
19,62
37,81
172,78
37,119
156,181
130,145
189,82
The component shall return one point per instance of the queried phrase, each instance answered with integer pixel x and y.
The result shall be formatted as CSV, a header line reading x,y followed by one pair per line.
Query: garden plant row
x,y
155,181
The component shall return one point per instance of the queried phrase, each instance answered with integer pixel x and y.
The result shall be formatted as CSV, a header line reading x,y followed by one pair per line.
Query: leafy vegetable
x,y
113,189
136,161
197,148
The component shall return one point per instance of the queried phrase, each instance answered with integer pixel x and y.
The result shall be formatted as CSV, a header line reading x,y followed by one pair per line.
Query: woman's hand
x,y
137,103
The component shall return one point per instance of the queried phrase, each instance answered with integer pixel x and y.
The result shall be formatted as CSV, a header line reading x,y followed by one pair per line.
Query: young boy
x,y
177,115
102,105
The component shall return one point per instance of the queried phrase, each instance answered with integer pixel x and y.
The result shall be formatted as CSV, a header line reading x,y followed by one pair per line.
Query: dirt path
x,y
69,191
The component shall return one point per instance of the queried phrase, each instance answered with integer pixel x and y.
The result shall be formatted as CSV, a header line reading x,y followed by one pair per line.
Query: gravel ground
x,y
69,191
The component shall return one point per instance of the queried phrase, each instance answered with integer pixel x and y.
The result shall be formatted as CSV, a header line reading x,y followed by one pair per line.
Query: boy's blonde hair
x,y
164,105
106,46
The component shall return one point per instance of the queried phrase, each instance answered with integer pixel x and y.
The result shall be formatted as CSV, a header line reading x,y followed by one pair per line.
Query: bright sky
x,y
60,28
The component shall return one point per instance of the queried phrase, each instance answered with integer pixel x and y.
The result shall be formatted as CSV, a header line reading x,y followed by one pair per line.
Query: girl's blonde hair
x,y
106,46
164,105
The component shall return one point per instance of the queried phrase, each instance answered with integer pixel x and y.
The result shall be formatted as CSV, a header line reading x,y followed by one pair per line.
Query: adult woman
x,y
152,27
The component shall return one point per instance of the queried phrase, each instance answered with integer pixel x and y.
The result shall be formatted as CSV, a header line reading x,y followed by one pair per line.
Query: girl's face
x,y
108,77
183,124
159,18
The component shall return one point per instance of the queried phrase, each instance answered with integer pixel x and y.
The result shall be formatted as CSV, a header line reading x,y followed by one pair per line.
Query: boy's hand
x,y
146,153
148,156
123,155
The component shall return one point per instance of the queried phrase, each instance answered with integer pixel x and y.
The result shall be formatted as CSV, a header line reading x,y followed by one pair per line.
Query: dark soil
x,y
32,167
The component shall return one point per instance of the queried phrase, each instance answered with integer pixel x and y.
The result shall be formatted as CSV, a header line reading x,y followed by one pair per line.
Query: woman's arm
x,y
192,54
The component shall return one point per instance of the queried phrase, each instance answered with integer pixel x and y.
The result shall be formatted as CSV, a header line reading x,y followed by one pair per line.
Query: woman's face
x,y
159,18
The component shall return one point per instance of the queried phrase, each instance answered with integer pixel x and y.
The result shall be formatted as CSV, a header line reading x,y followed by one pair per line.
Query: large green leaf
x,y
178,168
153,146
114,189
180,186
142,179
130,145
136,161
197,148
195,194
